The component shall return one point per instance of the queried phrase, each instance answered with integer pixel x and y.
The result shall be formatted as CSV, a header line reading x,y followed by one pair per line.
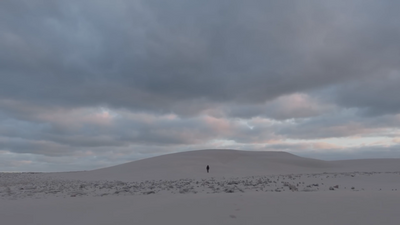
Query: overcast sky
x,y
89,84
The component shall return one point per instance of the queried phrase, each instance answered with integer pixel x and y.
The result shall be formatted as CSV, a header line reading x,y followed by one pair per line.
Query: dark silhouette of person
x,y
208,168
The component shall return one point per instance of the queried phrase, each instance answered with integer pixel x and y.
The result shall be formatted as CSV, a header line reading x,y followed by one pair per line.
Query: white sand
x,y
241,188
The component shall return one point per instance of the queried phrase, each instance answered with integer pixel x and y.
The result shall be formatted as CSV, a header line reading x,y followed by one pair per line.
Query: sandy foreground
x,y
242,188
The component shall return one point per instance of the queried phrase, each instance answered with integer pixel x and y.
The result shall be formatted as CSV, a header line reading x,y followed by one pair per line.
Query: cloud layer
x,y
133,79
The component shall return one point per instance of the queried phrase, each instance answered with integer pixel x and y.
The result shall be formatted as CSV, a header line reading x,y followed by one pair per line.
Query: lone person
x,y
208,168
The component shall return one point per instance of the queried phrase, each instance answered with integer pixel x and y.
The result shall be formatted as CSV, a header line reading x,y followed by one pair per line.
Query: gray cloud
x,y
149,55
189,74
373,97
341,124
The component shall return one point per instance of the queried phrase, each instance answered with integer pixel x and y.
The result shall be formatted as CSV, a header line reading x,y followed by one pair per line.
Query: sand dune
x,y
227,163
243,187
192,164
